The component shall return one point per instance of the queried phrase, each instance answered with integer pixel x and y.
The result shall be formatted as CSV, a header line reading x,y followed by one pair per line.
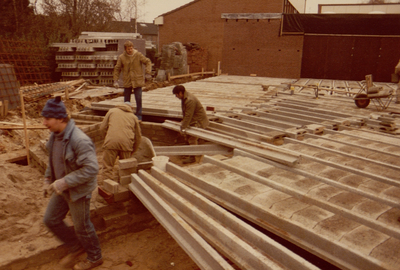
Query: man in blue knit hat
x,y
70,178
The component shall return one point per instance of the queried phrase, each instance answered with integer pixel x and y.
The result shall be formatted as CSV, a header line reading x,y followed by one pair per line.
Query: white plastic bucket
x,y
160,162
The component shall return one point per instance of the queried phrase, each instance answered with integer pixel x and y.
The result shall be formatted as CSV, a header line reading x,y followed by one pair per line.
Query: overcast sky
x,y
154,8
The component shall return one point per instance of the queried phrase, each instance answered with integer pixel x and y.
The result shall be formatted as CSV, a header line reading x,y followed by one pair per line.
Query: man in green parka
x,y
130,63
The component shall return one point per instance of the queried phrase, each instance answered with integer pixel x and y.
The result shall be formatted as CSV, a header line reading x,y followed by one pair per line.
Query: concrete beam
x,y
253,127
205,149
342,153
328,247
304,197
270,137
240,242
330,182
270,152
195,246
380,178
345,142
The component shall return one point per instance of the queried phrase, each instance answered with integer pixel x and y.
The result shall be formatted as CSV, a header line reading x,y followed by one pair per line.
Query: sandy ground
x,y
22,231
22,206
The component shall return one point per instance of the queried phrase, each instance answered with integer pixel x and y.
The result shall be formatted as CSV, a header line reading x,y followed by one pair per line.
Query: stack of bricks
x,y
93,132
197,60
118,192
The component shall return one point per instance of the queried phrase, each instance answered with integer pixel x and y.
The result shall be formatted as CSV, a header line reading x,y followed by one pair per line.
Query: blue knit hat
x,y
55,108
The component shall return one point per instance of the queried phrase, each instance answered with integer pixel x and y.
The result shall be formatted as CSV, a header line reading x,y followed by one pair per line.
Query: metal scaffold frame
x,y
28,59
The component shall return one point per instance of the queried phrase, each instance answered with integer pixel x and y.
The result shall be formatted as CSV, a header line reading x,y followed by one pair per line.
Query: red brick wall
x,y
200,22
197,60
255,47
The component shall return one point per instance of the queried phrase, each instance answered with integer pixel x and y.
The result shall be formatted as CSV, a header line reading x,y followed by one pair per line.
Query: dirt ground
x,y
22,206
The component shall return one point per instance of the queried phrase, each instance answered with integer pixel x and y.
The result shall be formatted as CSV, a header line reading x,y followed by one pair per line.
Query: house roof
x,y
147,28
129,27
178,8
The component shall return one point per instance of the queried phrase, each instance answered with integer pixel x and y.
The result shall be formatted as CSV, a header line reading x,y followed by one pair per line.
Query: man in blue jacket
x,y
70,178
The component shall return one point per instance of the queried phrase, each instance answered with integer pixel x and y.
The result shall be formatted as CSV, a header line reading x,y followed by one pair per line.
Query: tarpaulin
x,y
345,24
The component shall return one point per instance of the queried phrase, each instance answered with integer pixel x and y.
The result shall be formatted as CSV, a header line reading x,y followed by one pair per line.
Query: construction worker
x,y
397,73
70,179
131,64
122,138
193,113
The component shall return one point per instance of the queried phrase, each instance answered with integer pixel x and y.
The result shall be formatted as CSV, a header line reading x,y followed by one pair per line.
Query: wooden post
x,y
219,68
66,93
1,109
25,130
5,105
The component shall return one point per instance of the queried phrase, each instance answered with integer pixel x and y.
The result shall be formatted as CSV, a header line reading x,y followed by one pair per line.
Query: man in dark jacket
x,y
70,178
193,115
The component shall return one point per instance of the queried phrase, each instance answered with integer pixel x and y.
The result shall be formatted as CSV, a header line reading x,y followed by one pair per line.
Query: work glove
x,y
148,77
57,186
47,191
116,85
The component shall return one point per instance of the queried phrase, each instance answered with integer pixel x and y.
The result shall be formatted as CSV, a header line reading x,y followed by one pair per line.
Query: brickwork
x,y
158,134
197,60
255,47
154,131
93,132
201,22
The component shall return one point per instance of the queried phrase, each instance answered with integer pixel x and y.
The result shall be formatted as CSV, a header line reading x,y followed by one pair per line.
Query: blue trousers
x,y
84,234
138,98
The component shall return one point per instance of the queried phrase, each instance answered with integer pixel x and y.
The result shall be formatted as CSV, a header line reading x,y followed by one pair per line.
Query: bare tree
x,y
131,9
13,18
76,16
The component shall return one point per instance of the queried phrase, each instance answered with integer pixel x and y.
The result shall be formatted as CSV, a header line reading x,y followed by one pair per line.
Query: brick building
x,y
200,21
249,37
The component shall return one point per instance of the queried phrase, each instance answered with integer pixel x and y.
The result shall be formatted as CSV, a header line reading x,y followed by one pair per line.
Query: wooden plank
x,y
190,74
22,127
25,129
5,108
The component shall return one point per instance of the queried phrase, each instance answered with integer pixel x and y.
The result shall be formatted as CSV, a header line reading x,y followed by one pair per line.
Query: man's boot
x,y
69,260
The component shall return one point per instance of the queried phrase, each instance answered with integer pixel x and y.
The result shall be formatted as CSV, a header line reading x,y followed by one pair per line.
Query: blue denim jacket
x,y
80,162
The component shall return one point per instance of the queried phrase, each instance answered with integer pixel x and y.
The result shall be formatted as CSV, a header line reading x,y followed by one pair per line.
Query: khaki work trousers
x,y
109,157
